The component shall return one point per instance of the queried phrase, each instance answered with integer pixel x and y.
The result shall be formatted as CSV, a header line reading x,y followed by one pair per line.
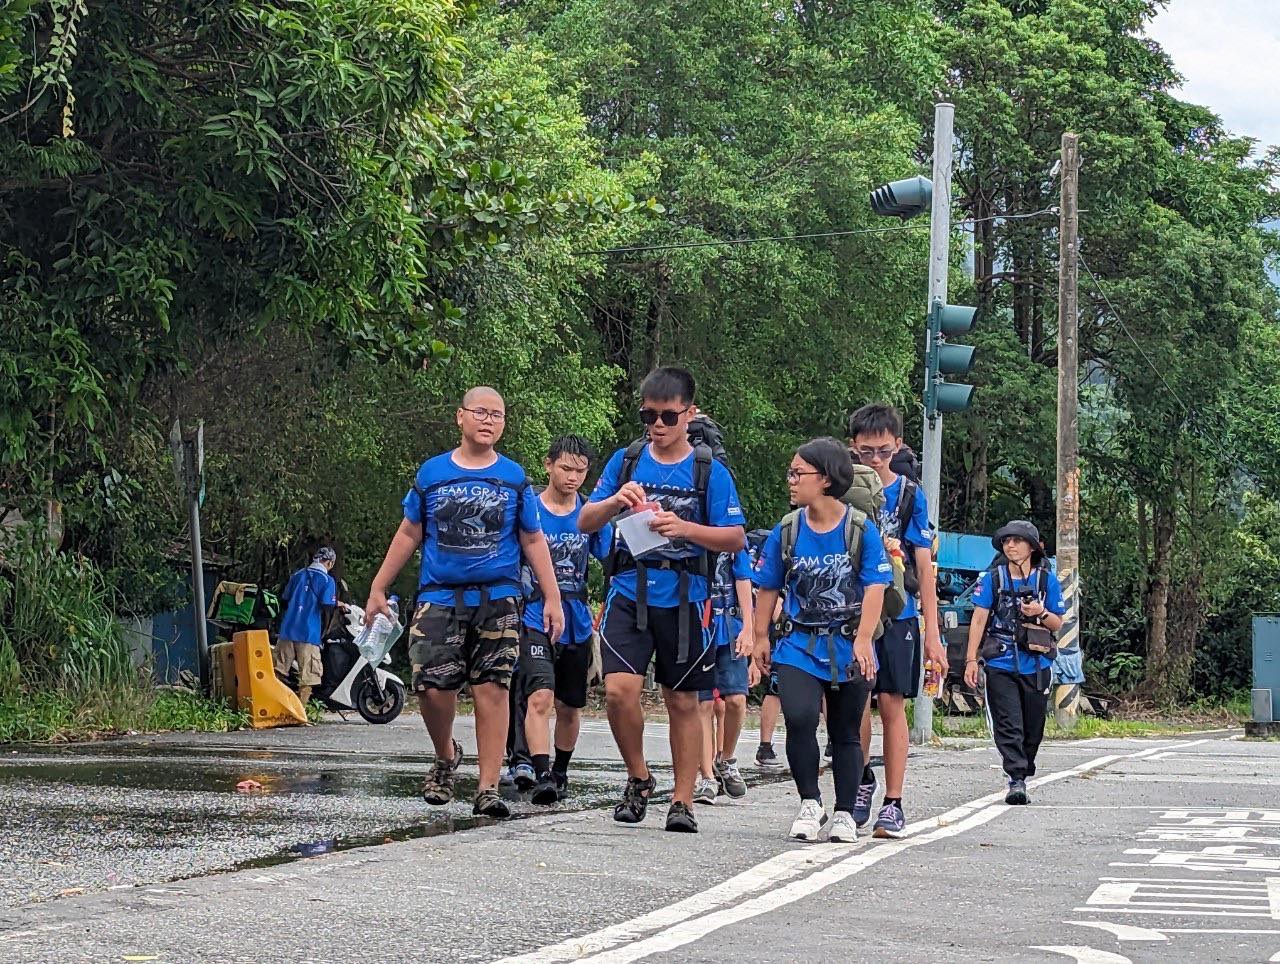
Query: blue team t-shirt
x,y
306,592
1002,619
570,553
469,535
730,567
823,589
671,486
919,533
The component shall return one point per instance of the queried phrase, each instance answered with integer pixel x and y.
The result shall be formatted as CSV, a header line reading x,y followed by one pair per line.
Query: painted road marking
x,y
1085,955
695,917
1122,932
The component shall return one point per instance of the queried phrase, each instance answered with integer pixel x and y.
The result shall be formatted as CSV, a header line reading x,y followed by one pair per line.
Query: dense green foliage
x,y
314,223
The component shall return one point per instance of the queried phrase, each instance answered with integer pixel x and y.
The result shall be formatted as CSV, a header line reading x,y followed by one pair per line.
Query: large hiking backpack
x,y
866,494
704,431
906,463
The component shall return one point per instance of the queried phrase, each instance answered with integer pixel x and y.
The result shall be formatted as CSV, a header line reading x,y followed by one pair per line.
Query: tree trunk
x,y
1157,602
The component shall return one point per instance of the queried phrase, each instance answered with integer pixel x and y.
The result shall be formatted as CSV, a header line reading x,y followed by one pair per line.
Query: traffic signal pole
x,y
939,261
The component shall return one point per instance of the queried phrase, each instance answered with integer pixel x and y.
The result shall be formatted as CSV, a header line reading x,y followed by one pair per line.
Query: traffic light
x,y
903,199
940,395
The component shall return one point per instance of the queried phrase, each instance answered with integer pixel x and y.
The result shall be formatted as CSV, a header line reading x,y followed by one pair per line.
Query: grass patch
x,y
53,717
1086,728
177,710
64,717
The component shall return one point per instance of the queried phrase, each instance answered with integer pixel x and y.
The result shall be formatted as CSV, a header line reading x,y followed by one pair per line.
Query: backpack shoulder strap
x,y
1042,583
854,521
629,459
702,459
1003,579
787,535
906,505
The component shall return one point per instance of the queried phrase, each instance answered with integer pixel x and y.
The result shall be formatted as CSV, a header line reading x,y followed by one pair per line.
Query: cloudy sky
x,y
1229,52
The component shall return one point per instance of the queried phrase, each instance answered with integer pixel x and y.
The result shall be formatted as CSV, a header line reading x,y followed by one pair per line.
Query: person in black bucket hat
x,y
1017,607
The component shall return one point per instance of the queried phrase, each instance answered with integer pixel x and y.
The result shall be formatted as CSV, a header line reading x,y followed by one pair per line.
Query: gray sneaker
x,y
438,788
705,792
730,778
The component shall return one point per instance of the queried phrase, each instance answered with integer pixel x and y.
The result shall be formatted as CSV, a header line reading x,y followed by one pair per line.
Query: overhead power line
x,y
730,242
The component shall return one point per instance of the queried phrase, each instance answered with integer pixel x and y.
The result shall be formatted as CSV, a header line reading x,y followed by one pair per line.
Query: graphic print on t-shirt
x,y
568,557
825,589
889,523
469,517
688,507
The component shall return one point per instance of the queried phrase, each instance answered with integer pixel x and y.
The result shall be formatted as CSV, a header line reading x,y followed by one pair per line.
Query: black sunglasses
x,y
669,417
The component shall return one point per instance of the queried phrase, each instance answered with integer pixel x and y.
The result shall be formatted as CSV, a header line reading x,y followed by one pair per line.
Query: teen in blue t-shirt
x,y
473,514
834,595
732,634
557,673
1022,590
875,437
663,619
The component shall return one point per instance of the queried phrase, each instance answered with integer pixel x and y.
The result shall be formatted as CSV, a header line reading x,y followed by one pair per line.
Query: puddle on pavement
x,y
219,770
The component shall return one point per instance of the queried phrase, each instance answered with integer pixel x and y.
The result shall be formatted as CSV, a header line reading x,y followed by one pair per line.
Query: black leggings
x,y
801,701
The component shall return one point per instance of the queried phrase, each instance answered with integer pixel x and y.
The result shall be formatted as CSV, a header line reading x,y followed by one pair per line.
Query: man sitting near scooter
x,y
308,592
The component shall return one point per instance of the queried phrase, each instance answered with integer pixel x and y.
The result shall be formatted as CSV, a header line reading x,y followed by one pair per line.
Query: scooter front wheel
x,y
376,710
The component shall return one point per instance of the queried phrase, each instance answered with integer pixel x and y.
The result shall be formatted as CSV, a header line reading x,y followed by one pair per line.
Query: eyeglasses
x,y
794,475
884,452
486,414
669,416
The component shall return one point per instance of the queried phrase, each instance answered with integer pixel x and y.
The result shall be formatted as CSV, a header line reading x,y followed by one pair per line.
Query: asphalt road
x,y
1132,850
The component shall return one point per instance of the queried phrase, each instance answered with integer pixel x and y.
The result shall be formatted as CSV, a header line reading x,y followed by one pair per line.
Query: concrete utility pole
x,y
1066,697
939,261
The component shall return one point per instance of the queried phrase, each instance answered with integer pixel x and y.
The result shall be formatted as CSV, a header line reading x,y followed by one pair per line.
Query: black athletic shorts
x,y
446,651
560,668
899,654
625,649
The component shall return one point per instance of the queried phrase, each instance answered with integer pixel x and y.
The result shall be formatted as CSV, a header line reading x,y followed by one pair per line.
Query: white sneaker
x,y
705,792
843,829
810,823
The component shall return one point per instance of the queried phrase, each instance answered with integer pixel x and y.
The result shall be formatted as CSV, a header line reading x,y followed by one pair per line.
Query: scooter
x,y
349,682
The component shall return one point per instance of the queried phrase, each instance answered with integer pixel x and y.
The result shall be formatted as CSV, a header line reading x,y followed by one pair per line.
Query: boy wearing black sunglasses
x,y
657,604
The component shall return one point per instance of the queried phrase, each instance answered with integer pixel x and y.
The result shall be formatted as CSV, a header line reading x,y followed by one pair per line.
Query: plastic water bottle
x,y
377,638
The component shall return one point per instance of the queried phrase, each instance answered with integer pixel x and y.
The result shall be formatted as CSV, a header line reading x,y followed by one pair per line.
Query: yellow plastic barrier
x,y
268,701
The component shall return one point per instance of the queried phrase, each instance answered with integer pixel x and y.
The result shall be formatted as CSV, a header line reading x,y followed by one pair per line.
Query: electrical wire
x,y
728,242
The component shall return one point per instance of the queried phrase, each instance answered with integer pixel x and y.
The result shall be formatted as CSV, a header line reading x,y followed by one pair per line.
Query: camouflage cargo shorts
x,y
449,647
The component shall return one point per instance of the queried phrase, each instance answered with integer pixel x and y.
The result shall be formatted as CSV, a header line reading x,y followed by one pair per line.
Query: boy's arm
x,y
933,648
746,638
403,545
534,545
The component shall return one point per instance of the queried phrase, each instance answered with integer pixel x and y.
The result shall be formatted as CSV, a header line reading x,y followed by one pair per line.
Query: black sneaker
x,y
438,788
680,819
635,800
562,784
766,759
1017,795
490,804
545,791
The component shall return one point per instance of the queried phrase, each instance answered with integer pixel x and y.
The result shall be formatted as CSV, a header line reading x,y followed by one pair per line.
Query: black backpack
x,y
906,463
704,431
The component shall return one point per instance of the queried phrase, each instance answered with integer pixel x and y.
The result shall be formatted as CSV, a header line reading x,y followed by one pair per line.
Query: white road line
x,y
1085,955
1122,932
694,917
